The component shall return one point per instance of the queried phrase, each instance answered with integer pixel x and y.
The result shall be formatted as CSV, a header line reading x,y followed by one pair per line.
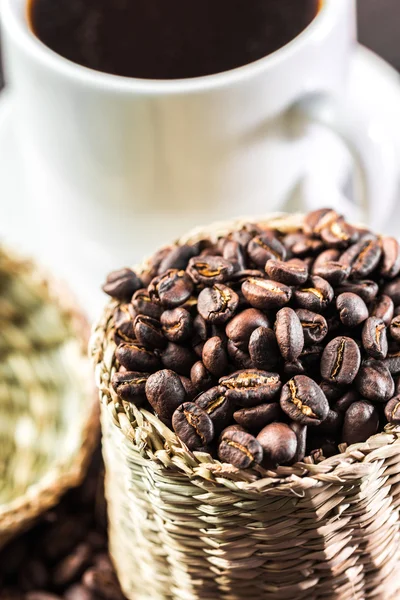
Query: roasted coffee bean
x,y
338,234
392,289
390,265
201,329
294,367
130,386
177,325
148,332
279,444
352,309
245,234
171,289
341,361
330,255
209,270
289,334
200,377
256,417
314,326
360,422
230,429
240,276
251,387
332,424
125,329
332,271
135,357
310,357
395,329
392,410
367,290
332,391
316,296
317,220
215,403
165,392
144,306
263,247
215,358
240,449
303,401
374,338
374,381
234,252
178,258
72,566
178,358
217,304
122,284
382,308
103,583
363,257
263,348
241,327
392,361
345,401
301,435
125,313
266,294
190,390
240,359
292,272
193,425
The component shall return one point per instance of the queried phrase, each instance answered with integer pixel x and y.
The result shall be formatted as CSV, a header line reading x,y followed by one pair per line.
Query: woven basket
x,y
48,411
183,526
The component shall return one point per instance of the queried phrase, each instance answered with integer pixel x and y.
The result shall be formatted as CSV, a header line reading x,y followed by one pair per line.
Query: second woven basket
x,y
183,526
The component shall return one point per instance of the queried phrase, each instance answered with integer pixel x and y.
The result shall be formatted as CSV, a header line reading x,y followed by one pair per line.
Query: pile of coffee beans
x,y
65,555
265,347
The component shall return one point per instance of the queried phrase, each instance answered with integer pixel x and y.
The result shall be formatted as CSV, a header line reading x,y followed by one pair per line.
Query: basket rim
x,y
160,446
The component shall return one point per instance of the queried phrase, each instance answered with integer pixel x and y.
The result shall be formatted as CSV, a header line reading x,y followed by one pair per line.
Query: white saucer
x,y
373,84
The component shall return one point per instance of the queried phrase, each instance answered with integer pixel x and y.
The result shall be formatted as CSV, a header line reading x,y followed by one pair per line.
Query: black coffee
x,y
168,39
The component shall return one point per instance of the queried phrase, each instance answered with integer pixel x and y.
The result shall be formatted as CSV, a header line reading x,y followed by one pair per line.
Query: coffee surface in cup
x,y
168,39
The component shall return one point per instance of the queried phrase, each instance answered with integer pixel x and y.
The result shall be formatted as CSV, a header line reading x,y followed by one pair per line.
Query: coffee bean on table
x,y
315,327
130,386
177,325
374,338
360,422
215,358
171,289
148,332
316,296
341,361
291,272
215,403
135,357
240,449
193,425
165,392
392,410
251,387
363,257
144,306
209,270
178,358
241,327
263,348
256,417
382,308
303,401
367,289
122,284
289,334
390,265
263,247
266,294
352,309
395,328
374,381
201,379
279,444
217,304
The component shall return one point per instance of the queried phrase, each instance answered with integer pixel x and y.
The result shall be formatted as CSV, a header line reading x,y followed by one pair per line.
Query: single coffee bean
x,y
148,331
345,401
171,289
279,444
303,401
374,381
392,410
256,417
122,284
392,289
178,258
317,220
165,392
392,361
193,425
241,327
240,449
263,348
144,306
215,403
240,359
352,309
124,330
367,290
178,358
215,358
314,326
263,247
390,264
292,272
240,277
201,329
301,435
362,257
332,391
130,386
234,252
289,334
333,272
217,304
209,270
125,313
332,424
341,361
135,357
360,422
338,234
330,255
251,387
316,296
374,338
177,325
230,429
266,294
382,308
72,566
395,329
301,245
201,379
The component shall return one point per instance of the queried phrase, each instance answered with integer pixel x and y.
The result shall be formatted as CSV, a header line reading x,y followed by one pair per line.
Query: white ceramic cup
x,y
117,166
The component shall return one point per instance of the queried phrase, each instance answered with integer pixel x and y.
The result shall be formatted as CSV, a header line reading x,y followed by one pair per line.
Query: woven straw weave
x,y
183,526
48,410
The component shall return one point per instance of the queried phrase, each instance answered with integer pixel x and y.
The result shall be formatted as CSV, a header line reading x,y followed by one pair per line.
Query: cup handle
x,y
373,151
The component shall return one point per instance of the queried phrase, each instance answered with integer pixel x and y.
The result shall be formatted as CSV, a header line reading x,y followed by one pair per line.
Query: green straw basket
x,y
183,526
48,411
